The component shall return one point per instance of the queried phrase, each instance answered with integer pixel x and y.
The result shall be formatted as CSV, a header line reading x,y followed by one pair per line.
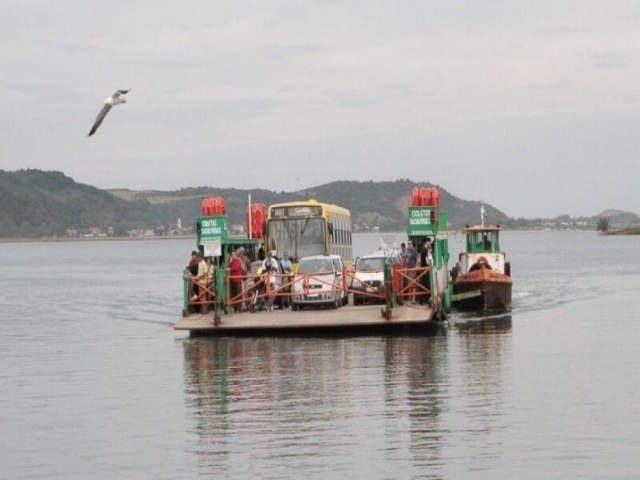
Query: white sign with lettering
x,y
212,247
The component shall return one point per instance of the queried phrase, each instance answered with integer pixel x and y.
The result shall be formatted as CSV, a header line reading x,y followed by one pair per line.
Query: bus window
x,y
300,237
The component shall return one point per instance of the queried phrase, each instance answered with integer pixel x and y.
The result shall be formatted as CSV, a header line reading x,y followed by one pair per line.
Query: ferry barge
x,y
210,312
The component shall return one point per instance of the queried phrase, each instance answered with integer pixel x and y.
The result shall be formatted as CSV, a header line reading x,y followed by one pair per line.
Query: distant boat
x,y
482,277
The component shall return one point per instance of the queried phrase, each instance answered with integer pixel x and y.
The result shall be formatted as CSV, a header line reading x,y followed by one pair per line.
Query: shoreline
x,y
624,231
452,232
93,239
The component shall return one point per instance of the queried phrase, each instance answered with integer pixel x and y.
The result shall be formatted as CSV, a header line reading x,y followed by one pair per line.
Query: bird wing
x,y
99,119
120,92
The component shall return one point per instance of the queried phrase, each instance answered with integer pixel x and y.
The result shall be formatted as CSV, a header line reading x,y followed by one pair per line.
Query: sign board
x,y
213,227
212,247
302,211
211,231
420,221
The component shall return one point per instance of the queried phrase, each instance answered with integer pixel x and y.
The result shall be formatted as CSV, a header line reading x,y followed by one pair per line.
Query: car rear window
x,y
370,264
315,265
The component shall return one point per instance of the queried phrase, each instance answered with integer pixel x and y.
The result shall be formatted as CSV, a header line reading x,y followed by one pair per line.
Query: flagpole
x,y
249,197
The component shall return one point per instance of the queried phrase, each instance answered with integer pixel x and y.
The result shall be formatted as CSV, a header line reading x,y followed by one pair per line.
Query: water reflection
x,y
416,381
475,324
372,405
278,401
295,404
482,385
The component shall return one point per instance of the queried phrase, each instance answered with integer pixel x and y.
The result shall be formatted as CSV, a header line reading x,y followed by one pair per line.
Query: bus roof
x,y
329,207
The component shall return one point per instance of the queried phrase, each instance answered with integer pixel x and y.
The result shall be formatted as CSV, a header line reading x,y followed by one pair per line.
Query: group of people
x,y
202,272
269,272
412,257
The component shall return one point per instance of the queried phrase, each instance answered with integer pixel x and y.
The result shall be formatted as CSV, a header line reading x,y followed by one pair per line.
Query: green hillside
x,y
382,204
37,203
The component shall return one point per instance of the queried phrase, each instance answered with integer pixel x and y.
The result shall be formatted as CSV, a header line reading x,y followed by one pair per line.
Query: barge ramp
x,y
369,319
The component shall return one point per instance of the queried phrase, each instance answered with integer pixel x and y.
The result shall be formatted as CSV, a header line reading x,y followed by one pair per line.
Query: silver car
x,y
318,281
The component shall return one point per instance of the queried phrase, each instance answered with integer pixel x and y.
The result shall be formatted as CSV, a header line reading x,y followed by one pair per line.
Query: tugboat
x,y
482,277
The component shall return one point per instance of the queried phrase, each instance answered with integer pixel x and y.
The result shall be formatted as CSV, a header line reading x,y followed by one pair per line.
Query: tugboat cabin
x,y
482,242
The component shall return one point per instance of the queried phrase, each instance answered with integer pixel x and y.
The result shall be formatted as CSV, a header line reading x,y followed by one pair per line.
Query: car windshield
x,y
315,265
370,264
255,266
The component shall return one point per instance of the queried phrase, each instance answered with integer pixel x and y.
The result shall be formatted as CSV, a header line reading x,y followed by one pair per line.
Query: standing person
x,y
192,268
210,269
455,271
201,280
270,269
246,263
425,253
193,263
261,252
285,285
235,279
403,263
412,260
209,282
285,263
246,270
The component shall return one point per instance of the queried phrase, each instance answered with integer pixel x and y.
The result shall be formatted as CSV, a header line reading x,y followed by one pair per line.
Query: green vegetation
x,y
39,204
36,204
625,231
603,225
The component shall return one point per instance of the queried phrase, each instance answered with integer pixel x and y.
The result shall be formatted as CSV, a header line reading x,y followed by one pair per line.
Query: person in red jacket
x,y
235,279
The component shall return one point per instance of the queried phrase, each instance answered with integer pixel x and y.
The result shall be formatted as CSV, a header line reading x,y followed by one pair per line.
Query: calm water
x,y
94,383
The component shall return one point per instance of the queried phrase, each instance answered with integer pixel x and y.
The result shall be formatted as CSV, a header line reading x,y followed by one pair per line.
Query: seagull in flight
x,y
114,99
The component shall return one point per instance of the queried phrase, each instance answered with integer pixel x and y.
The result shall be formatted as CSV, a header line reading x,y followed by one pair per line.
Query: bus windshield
x,y
300,237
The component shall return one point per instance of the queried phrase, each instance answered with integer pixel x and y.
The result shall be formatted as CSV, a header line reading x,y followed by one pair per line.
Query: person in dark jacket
x,y
425,253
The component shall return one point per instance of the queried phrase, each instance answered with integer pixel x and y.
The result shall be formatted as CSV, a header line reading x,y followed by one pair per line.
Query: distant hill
x,y
35,203
381,204
619,218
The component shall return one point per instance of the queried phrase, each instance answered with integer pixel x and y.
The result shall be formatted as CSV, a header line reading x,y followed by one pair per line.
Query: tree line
x,y
39,203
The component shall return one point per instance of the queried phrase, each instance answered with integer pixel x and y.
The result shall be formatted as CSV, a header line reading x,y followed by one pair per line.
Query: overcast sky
x,y
532,106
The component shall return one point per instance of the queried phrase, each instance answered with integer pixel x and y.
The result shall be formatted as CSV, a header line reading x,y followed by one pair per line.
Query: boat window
x,y
486,241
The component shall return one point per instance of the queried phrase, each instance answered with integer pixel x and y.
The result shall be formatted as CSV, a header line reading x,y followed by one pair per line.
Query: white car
x,y
318,281
368,279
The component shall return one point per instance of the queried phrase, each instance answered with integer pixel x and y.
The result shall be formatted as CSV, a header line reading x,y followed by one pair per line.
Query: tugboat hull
x,y
483,290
